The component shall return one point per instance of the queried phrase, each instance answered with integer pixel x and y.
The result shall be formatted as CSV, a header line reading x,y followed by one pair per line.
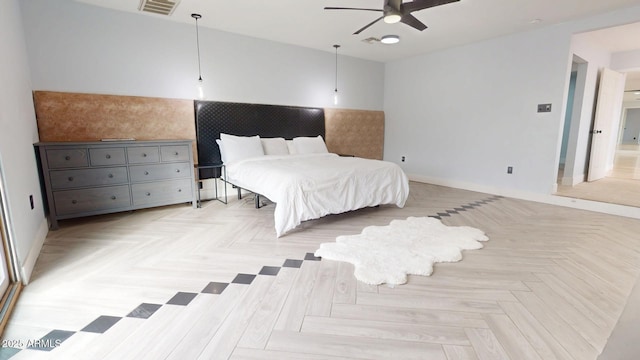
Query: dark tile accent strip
x,y
52,340
144,311
182,298
466,207
101,324
243,279
311,257
269,270
292,263
8,352
215,288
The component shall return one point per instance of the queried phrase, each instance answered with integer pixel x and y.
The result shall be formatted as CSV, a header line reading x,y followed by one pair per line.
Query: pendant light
x,y
200,88
335,91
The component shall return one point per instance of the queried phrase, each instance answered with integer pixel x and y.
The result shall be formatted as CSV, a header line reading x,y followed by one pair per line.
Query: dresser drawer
x,y
171,191
143,154
66,179
174,153
107,156
79,201
159,171
67,158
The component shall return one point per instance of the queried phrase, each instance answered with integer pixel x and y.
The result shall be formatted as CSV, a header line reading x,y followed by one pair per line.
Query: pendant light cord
x,y
198,16
336,46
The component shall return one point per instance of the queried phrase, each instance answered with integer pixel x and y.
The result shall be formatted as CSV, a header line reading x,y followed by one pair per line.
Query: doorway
x,y
620,184
569,170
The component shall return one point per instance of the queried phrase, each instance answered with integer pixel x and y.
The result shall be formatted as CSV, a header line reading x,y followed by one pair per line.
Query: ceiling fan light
x,y
390,39
392,18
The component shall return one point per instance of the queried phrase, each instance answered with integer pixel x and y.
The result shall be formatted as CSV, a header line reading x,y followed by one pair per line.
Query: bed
x,y
294,170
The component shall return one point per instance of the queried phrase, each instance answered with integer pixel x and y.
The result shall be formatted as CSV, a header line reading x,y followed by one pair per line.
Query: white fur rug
x,y
386,254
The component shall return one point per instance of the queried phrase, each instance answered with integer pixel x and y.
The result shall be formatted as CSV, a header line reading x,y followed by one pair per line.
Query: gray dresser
x,y
91,178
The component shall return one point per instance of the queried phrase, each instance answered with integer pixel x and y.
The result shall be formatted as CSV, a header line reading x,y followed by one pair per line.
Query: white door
x,y
607,118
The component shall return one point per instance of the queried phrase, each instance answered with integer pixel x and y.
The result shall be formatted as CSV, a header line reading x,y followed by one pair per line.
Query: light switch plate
x,y
544,108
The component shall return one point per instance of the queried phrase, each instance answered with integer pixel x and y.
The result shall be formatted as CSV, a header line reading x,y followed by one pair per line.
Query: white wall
x,y
626,60
18,133
80,48
462,115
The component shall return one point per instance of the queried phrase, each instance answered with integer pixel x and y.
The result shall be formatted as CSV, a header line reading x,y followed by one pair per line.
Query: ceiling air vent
x,y
162,7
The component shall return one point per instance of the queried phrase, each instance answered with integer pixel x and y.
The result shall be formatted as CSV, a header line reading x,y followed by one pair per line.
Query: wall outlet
x,y
31,202
509,169
403,158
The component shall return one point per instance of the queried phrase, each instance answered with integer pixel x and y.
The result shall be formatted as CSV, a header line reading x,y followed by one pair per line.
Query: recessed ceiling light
x,y
390,39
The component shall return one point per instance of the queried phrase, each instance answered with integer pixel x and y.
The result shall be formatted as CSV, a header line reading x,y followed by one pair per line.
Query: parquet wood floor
x,y
217,284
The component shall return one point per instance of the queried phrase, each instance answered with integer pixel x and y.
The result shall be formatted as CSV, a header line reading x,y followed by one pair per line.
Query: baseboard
x,y
613,209
30,262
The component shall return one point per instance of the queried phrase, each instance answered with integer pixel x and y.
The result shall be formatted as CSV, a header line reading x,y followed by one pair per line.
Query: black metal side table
x,y
222,177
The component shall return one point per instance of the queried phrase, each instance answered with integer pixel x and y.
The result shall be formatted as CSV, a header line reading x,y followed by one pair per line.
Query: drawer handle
x,y
146,173
177,170
74,201
67,157
179,190
110,175
176,153
148,194
113,197
144,154
108,156
70,178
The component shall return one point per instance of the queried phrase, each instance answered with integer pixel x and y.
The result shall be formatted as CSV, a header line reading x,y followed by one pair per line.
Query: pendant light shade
x,y
335,91
200,87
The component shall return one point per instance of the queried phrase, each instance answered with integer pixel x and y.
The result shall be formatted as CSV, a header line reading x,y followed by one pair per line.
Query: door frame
x,y
573,172
9,298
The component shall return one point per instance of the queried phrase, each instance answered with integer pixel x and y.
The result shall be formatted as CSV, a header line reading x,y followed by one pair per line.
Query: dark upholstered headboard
x,y
214,117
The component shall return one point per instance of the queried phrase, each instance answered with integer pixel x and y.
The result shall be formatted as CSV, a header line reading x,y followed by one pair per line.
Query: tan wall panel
x,y
355,132
65,116
91,117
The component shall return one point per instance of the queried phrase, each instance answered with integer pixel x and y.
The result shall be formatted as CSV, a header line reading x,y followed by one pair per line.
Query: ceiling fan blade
x,y
344,8
413,22
417,5
366,26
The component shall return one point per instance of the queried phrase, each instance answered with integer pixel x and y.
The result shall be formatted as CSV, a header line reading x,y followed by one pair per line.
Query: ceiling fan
x,y
394,11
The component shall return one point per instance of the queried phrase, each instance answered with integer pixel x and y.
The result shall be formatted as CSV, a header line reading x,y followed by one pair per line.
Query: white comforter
x,y
310,186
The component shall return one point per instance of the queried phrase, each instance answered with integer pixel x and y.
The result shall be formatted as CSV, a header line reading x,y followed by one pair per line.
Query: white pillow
x,y
238,148
274,146
310,145
291,147
223,157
